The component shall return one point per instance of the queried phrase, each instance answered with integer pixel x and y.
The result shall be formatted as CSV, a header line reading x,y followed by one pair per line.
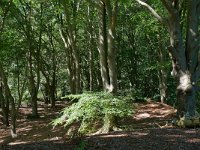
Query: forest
x,y
99,74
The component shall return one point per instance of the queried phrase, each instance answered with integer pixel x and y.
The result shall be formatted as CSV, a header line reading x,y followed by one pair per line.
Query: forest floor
x,y
147,129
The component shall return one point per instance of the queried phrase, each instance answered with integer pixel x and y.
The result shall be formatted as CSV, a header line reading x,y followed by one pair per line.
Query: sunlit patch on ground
x,y
145,132
37,129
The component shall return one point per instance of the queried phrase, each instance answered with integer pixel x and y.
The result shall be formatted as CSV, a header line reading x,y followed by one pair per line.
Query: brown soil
x,y
148,129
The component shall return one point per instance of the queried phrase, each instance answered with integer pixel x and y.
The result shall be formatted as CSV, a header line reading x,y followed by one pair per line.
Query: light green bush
x,y
93,109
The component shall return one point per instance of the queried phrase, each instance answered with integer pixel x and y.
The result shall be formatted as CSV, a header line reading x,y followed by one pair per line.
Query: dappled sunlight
x,y
142,116
175,136
110,135
146,126
146,139
153,110
149,115
192,131
27,128
53,138
35,130
123,134
194,140
14,143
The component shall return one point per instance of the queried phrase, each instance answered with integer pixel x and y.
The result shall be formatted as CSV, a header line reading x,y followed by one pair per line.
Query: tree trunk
x,y
177,52
13,114
10,99
46,93
192,48
33,54
112,63
34,102
162,74
103,46
69,38
77,67
53,90
4,102
107,46
70,64
21,90
162,85
91,67
4,106
53,84
33,88
52,96
185,60
91,47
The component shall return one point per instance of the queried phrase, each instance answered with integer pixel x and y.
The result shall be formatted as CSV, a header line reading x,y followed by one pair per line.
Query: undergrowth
x,y
94,112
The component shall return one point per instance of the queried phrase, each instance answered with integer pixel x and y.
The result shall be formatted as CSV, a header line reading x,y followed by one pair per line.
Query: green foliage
x,y
92,108
71,97
81,146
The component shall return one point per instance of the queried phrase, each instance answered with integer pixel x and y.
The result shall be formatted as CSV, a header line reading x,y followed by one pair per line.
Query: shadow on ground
x,y
148,139
147,129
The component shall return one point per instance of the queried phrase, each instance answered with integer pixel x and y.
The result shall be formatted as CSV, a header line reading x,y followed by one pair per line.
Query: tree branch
x,y
5,12
153,12
108,8
169,7
94,4
115,12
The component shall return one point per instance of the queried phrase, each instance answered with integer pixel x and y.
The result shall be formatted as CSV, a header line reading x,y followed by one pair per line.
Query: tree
x,y
5,92
107,49
183,51
9,98
25,13
68,32
103,46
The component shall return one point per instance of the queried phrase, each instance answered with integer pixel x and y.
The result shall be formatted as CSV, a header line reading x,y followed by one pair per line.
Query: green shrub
x,y
94,110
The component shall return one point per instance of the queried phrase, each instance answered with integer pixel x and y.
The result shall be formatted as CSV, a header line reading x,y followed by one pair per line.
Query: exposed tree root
x,y
109,125
188,121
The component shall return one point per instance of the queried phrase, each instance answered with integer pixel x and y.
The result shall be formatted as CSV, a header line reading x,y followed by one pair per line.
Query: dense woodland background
x,y
51,49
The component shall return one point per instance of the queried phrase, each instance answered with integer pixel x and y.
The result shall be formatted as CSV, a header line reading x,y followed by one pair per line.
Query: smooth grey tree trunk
x,y
112,62
69,39
70,64
184,52
185,59
103,46
192,51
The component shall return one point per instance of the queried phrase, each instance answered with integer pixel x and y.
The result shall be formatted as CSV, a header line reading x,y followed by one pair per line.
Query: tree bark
x,y
69,39
91,47
4,106
162,73
33,53
179,69
33,88
185,57
103,46
112,64
192,48
10,98
54,67
69,58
